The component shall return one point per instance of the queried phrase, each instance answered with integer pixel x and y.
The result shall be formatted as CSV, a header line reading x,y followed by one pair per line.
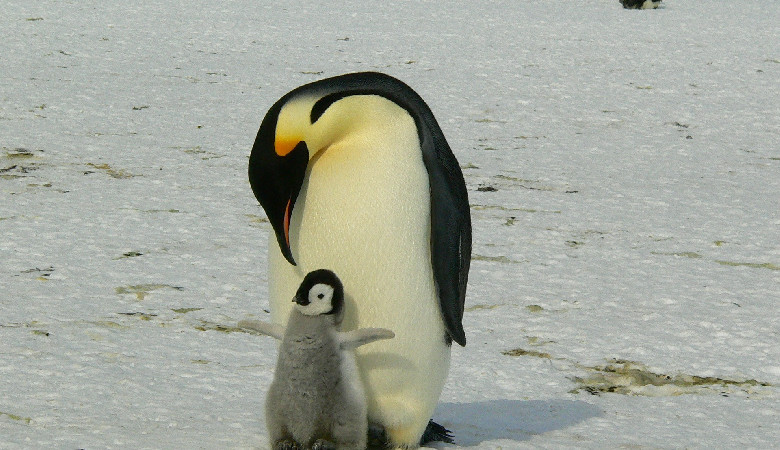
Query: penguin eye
x,y
321,293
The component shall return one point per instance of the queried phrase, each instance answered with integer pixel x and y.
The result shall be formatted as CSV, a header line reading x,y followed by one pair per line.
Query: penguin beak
x,y
276,178
303,301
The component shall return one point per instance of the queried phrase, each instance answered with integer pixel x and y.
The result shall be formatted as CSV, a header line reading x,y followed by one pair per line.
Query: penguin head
x,y
308,120
320,292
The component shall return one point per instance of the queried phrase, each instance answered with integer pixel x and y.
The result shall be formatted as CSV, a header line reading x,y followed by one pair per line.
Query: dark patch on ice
x,y
140,315
694,255
18,171
524,352
19,152
43,274
185,310
499,259
132,254
769,266
110,171
633,378
16,417
142,290
205,325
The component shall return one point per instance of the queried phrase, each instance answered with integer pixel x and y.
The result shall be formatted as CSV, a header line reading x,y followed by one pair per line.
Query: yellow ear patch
x,y
292,125
284,145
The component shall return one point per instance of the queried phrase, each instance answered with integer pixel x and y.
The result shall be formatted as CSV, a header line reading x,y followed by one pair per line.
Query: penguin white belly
x,y
364,213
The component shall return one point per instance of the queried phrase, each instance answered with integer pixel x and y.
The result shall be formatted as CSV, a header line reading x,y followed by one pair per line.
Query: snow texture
x,y
623,169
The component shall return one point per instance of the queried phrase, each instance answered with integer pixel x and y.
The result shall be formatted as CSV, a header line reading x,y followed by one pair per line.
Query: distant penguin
x,y
355,175
316,400
640,4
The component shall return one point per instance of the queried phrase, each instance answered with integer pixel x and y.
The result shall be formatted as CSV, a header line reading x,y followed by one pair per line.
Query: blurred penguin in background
x,y
640,4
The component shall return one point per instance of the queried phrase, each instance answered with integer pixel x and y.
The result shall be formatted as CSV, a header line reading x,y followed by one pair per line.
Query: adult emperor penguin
x,y
355,175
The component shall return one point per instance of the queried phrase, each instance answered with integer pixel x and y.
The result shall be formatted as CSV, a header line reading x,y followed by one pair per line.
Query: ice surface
x,y
623,169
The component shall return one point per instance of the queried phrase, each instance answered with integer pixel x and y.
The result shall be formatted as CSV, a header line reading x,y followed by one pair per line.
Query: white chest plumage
x,y
364,213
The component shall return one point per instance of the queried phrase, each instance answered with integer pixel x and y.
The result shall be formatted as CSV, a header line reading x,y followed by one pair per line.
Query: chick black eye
x,y
320,296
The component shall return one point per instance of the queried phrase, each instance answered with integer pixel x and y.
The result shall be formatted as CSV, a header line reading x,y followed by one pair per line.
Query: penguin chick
x,y
316,400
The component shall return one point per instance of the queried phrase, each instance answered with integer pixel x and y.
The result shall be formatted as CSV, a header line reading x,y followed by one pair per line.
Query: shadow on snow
x,y
516,420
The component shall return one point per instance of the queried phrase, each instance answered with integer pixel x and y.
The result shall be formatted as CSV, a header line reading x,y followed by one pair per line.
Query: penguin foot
x,y
287,444
436,433
377,437
322,444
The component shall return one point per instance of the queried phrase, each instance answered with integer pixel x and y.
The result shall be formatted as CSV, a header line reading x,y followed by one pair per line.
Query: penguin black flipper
x,y
450,227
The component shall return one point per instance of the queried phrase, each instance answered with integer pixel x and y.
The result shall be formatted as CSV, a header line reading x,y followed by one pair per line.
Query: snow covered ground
x,y
623,169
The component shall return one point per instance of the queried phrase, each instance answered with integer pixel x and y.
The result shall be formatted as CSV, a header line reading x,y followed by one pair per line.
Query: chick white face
x,y
319,300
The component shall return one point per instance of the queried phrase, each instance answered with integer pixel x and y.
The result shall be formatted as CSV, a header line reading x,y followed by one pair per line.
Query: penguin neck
x,y
309,328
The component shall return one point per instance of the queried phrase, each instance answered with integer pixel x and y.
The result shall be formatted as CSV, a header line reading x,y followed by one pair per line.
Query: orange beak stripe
x,y
287,223
283,146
